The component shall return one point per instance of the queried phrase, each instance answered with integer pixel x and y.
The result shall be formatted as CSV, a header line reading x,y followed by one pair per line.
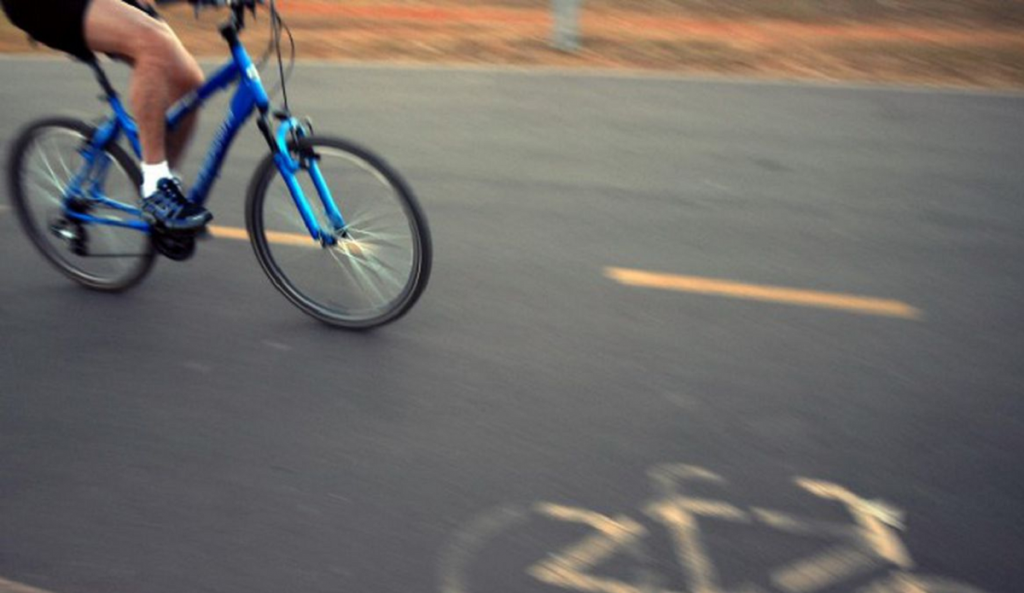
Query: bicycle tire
x,y
142,256
357,267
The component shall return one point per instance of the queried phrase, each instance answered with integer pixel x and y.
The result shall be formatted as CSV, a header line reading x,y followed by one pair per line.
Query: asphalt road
x,y
200,434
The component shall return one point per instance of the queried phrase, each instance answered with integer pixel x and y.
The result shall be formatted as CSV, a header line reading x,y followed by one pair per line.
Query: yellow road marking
x,y
227,232
280,238
12,587
775,294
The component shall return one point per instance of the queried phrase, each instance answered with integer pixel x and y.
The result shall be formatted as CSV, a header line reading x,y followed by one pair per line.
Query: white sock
x,y
152,174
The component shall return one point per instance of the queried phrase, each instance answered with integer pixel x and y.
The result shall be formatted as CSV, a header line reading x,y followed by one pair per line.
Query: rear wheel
x,y
380,263
45,158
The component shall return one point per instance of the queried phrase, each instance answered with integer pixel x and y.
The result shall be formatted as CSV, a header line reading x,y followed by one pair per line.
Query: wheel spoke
x,y
354,272
369,218
34,179
64,165
383,263
382,239
375,266
53,176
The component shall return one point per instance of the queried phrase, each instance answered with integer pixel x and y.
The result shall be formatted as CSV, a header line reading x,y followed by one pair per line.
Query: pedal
x,y
176,246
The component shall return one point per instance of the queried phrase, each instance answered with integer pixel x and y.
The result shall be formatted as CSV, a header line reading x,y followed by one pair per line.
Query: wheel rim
x,y
48,163
371,271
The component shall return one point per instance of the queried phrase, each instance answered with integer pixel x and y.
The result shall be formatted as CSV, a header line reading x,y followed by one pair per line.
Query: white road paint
x,y
569,568
868,546
12,587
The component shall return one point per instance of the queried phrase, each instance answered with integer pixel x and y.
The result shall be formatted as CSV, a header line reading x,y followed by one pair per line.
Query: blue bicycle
x,y
357,257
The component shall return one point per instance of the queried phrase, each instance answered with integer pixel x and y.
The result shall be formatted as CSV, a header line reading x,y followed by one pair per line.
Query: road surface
x,y
732,285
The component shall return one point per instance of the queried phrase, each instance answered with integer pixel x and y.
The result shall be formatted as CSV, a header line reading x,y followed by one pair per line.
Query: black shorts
x,y
59,24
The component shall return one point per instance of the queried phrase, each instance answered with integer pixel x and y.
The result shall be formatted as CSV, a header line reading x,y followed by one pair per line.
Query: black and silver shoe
x,y
169,209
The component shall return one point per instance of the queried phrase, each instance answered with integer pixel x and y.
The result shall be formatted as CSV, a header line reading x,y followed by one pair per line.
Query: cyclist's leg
x,y
163,71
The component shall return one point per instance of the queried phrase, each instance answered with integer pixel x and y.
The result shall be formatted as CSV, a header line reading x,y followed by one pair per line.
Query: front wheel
x,y
380,262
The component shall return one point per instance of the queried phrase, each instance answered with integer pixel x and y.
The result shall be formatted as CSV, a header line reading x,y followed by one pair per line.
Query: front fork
x,y
284,145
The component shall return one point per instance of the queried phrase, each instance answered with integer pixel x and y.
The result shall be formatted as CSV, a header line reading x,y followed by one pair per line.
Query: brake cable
x,y
274,45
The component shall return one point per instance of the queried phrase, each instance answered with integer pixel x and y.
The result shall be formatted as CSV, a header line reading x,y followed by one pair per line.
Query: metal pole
x,y
567,24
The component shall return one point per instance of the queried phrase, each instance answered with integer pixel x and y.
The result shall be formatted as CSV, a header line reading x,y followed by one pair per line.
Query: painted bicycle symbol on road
x,y
862,555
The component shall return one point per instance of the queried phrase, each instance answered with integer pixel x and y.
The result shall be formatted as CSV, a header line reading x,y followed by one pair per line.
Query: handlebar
x,y
238,8
230,29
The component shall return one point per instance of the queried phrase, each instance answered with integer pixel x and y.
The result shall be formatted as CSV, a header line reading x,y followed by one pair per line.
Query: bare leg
x,y
177,141
163,72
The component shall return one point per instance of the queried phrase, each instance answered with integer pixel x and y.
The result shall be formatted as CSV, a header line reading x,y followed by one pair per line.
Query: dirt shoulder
x,y
975,43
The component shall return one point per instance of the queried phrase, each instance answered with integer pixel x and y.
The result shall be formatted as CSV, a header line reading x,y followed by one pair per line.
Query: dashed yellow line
x,y
754,292
227,232
293,239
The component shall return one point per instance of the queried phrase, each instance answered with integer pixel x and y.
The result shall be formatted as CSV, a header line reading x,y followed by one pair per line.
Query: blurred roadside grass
x,y
987,13
893,61
946,42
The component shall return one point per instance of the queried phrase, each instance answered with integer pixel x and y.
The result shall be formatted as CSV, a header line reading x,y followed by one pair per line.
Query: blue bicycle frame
x,y
250,96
